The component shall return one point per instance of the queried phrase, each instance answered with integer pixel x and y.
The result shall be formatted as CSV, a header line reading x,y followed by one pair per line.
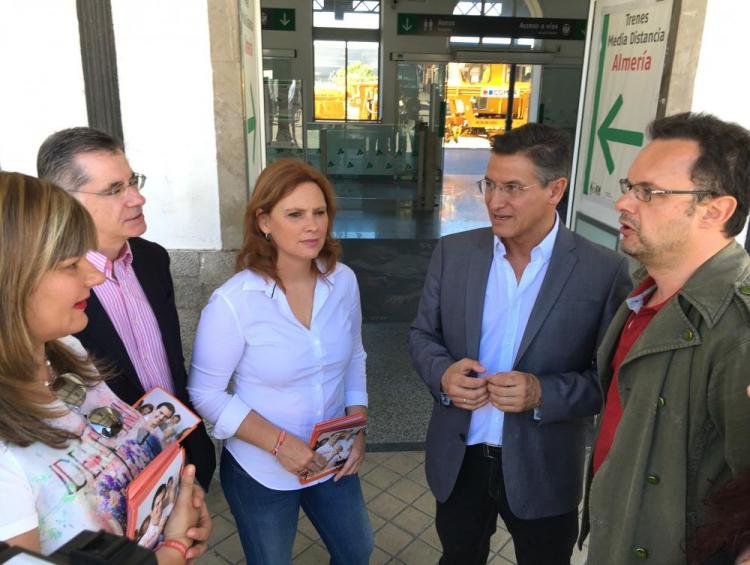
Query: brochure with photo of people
x,y
152,494
167,419
333,439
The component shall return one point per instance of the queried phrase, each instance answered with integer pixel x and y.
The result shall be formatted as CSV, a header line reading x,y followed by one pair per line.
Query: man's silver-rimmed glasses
x,y
644,192
137,181
487,187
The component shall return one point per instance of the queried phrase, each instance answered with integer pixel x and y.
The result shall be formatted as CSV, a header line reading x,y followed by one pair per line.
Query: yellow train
x,y
330,102
477,98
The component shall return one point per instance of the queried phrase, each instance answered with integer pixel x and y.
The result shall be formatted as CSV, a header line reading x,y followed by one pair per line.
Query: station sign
x,y
628,52
277,19
515,28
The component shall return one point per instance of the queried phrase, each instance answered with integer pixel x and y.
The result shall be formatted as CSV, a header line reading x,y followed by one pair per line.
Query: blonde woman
x,y
67,444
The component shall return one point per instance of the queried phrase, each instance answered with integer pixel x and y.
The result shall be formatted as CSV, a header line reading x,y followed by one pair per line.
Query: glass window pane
x,y
330,85
362,80
357,14
468,9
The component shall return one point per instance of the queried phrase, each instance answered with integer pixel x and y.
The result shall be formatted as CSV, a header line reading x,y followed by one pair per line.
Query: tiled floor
x,y
401,511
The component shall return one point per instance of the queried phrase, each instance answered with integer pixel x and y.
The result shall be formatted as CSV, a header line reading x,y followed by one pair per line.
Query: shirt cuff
x,y
356,398
231,417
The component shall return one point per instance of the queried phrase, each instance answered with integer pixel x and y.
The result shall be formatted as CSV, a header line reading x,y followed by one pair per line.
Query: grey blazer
x,y
542,460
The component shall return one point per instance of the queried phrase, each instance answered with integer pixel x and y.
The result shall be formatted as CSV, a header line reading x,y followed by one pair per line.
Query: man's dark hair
x,y
546,146
169,406
723,165
56,158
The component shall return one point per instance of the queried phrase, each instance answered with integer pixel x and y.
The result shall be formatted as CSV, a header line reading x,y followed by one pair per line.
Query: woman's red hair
x,y
275,182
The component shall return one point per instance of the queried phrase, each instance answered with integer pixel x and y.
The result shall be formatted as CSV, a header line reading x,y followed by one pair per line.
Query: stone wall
x,y
196,275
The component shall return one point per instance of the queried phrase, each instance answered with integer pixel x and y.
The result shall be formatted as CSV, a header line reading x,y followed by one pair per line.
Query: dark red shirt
x,y
637,321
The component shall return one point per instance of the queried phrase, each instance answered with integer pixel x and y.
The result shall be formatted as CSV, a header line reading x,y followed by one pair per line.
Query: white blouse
x,y
292,376
81,487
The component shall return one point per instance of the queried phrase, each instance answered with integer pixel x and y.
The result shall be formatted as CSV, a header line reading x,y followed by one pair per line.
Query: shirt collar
x,y
257,282
105,266
640,295
542,250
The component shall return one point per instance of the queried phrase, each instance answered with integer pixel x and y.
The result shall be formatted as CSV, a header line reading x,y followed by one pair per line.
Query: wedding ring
x,y
465,401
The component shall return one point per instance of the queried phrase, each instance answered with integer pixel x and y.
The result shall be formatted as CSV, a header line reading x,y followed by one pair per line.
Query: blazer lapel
x,y
560,267
476,286
102,331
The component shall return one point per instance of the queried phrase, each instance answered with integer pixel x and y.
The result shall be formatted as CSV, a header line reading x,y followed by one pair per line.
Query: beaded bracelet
x,y
279,443
176,544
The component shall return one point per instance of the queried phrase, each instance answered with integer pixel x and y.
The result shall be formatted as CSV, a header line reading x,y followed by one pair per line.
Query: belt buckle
x,y
489,451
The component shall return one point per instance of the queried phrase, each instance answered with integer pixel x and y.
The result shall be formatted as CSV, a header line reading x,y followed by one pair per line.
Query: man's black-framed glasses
x,y
644,192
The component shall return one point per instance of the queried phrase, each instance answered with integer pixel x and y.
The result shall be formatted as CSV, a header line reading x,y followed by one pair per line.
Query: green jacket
x,y
686,417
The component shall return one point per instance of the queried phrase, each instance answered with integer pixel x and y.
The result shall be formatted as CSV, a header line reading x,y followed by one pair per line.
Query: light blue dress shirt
x,y
507,307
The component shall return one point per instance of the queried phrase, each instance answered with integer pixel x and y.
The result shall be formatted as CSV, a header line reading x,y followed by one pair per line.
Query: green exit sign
x,y
277,19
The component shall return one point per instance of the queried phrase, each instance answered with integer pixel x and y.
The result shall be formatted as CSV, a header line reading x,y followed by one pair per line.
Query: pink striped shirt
x,y
128,308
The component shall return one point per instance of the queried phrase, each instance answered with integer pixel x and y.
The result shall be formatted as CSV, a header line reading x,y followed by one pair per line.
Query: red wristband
x,y
175,544
279,443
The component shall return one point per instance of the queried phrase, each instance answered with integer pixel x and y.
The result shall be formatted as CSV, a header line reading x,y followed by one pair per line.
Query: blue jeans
x,y
267,518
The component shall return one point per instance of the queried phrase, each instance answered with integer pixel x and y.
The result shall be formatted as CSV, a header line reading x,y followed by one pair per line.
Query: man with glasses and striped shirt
x,y
133,321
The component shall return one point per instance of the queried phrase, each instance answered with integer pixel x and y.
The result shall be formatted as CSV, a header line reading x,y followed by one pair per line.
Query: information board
x,y
625,68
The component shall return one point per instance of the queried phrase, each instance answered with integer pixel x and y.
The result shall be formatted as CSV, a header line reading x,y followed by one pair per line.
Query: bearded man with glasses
x,y
133,321
673,364
505,338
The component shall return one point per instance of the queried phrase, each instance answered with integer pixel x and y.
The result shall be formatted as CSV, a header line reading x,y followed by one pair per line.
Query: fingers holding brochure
x,y
298,458
185,515
335,441
355,459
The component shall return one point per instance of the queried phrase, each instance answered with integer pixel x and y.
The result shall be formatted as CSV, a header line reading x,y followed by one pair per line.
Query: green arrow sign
x,y
406,24
251,123
607,134
277,19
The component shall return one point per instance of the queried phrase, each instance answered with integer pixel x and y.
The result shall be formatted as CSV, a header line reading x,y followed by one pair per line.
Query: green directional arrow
x,y
406,23
251,124
607,134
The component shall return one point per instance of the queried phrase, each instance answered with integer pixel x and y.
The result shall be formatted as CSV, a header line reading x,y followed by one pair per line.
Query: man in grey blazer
x,y
505,339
